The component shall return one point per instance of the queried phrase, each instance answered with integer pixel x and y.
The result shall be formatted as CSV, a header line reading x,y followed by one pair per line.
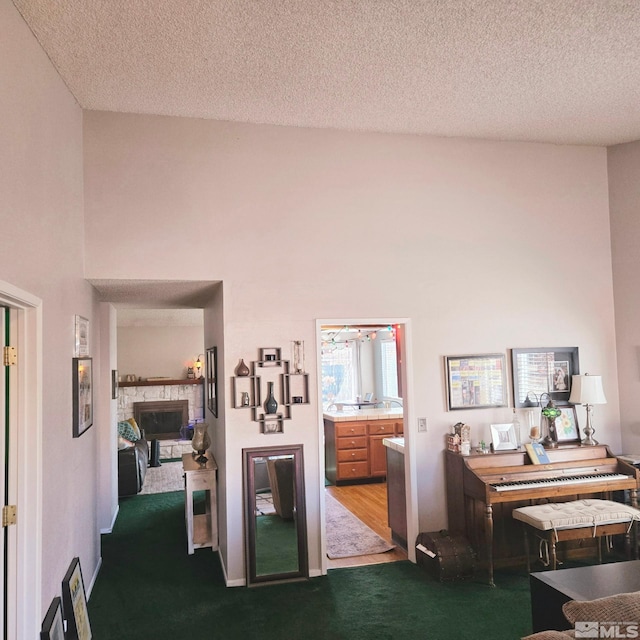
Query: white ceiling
x,y
563,71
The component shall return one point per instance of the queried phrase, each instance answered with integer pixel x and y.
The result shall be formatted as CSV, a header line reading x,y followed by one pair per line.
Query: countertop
x,y
397,444
363,414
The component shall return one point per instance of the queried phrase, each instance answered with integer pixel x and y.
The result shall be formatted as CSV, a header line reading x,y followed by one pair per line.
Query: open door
x,y
4,447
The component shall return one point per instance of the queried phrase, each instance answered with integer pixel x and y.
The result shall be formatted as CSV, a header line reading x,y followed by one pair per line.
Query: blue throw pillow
x,y
127,431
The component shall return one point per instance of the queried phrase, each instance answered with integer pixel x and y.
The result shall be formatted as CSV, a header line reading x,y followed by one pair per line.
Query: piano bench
x,y
560,521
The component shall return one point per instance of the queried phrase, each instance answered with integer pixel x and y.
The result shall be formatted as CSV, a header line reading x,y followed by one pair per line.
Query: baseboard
x,y
109,529
94,577
240,582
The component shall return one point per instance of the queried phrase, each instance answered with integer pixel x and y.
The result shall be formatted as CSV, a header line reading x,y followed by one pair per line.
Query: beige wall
x,y
42,252
159,351
484,246
624,199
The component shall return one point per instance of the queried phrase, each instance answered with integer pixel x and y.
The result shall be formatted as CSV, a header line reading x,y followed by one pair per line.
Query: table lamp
x,y
587,390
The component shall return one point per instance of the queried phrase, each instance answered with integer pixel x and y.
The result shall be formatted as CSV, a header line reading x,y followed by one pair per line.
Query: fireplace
x,y
163,419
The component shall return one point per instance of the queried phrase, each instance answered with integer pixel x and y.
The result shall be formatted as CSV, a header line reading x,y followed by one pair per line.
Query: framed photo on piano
x,y
503,437
567,425
543,370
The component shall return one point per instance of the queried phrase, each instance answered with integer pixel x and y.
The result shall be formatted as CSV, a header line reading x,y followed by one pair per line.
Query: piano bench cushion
x,y
575,514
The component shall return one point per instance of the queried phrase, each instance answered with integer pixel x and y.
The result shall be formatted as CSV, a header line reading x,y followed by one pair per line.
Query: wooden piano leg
x,y
488,531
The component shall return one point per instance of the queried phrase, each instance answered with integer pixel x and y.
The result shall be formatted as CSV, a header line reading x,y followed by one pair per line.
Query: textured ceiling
x,y
565,71
157,303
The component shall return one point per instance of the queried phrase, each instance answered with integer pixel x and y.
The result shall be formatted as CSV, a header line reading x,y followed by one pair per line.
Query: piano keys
x,y
479,484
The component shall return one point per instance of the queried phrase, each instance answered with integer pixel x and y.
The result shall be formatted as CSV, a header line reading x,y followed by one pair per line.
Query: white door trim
x,y
25,465
411,481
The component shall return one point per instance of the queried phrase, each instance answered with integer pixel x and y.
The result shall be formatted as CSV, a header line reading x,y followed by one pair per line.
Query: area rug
x,y
347,535
169,476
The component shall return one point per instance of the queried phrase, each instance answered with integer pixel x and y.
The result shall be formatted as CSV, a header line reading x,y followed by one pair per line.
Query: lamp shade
x,y
587,390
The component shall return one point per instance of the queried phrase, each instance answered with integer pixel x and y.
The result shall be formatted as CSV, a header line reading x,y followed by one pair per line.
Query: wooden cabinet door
x,y
377,456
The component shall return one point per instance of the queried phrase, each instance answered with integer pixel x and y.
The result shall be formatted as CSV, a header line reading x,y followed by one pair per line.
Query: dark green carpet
x,y
280,558
148,587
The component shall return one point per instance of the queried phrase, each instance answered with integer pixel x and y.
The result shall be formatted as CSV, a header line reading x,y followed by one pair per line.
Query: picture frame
x,y
81,326
212,380
74,603
543,370
53,625
114,384
82,395
503,437
476,381
567,427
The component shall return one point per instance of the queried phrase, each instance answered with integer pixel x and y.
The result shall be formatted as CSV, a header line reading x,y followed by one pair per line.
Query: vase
x,y
270,404
242,370
201,441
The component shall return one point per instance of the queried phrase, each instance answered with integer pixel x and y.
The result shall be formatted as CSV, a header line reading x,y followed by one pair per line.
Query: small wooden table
x,y
202,529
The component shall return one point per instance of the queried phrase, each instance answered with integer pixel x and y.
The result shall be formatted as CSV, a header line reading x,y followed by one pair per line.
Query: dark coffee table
x,y
551,589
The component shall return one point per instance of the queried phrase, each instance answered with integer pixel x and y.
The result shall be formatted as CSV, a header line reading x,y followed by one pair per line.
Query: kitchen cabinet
x,y
396,491
354,449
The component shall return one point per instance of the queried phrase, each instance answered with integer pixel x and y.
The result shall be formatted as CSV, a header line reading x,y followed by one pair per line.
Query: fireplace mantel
x,y
160,382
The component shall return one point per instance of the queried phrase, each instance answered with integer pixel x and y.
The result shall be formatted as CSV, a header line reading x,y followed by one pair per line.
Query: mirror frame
x,y
249,455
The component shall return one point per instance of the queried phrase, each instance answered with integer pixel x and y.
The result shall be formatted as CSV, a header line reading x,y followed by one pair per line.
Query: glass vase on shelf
x,y
270,404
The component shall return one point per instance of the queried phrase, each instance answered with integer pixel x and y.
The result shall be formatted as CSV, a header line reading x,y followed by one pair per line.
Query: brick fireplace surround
x,y
128,393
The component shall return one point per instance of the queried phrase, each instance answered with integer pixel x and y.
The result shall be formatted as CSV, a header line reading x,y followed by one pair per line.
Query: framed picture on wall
x,y
543,370
82,395
476,382
114,384
74,603
81,327
212,380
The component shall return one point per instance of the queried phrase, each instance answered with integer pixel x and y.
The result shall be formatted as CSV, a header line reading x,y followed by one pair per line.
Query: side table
x,y
202,529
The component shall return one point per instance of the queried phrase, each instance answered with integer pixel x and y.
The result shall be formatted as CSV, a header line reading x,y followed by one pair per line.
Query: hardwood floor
x,y
369,503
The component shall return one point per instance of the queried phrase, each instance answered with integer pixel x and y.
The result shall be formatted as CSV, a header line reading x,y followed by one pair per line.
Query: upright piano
x,y
483,489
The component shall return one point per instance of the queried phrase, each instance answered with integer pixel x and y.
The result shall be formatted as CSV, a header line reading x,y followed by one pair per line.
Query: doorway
x,y
22,468
362,381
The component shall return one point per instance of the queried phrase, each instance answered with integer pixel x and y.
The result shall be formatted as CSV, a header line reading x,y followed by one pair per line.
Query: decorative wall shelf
x,y
247,390
161,382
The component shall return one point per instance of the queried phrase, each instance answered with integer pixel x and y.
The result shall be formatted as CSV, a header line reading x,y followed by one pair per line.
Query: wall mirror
x,y
275,518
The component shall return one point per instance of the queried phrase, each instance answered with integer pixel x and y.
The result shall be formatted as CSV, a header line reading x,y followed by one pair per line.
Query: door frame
x,y
410,432
24,569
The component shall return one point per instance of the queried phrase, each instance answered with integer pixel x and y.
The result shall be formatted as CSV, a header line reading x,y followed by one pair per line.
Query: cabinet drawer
x,y
354,455
359,442
353,470
344,430
381,427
